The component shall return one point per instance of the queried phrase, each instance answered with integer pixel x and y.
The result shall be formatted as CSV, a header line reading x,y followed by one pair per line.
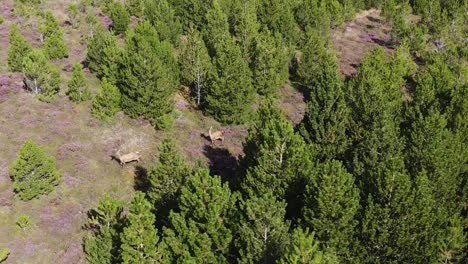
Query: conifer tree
x,y
279,17
324,124
55,47
33,172
149,76
78,88
216,29
103,246
303,249
192,11
103,55
49,26
262,231
230,92
245,26
331,207
18,49
166,179
120,18
140,237
135,7
311,14
162,16
277,158
269,63
199,229
106,103
195,65
40,77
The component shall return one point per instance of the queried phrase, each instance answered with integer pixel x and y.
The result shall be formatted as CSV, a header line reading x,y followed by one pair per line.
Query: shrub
x,y
24,222
17,50
120,18
33,172
4,252
78,89
1,19
107,101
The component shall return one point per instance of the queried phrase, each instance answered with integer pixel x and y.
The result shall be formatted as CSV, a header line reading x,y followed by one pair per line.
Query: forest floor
x,y
83,146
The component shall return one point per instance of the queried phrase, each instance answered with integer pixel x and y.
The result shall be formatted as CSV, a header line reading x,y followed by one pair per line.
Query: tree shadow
x,y
141,179
222,163
374,19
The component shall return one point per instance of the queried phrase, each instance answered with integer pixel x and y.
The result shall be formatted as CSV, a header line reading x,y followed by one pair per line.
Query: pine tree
x,y
55,47
304,249
245,26
192,11
49,26
103,55
78,88
162,16
216,29
33,172
270,63
331,207
72,11
279,17
230,92
195,65
199,230
149,77
18,49
324,124
166,179
106,103
103,246
136,7
140,237
120,18
262,231
40,77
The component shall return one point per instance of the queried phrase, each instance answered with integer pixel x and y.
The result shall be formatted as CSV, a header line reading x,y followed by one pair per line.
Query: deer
x,y
126,158
217,135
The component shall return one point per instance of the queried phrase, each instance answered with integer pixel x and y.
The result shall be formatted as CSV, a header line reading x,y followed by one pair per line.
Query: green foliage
x,y
136,7
33,172
269,63
230,92
331,207
51,85
279,17
78,88
24,222
103,55
166,179
324,124
106,103
192,11
199,229
262,230
245,26
139,237
4,253
195,65
54,47
120,18
104,245
162,17
149,90
73,14
1,22
49,26
216,29
18,49
304,249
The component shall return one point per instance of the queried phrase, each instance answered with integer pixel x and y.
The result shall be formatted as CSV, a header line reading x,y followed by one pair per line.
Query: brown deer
x,y
217,135
126,158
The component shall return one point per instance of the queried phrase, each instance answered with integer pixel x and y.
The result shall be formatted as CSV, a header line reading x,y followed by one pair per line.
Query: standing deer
x,y
126,158
217,135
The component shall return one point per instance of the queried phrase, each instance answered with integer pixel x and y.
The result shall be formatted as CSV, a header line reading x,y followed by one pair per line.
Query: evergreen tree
x,y
149,76
106,103
120,18
277,159
135,7
262,231
49,26
230,92
103,246
192,11
216,29
40,77
55,47
195,65
103,55
199,230
270,64
166,179
279,17
33,172
162,16
140,237
310,14
303,249
18,49
245,26
324,124
331,207
78,88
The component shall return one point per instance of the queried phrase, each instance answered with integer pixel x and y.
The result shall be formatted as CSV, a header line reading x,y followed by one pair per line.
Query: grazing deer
x,y
126,158
217,135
